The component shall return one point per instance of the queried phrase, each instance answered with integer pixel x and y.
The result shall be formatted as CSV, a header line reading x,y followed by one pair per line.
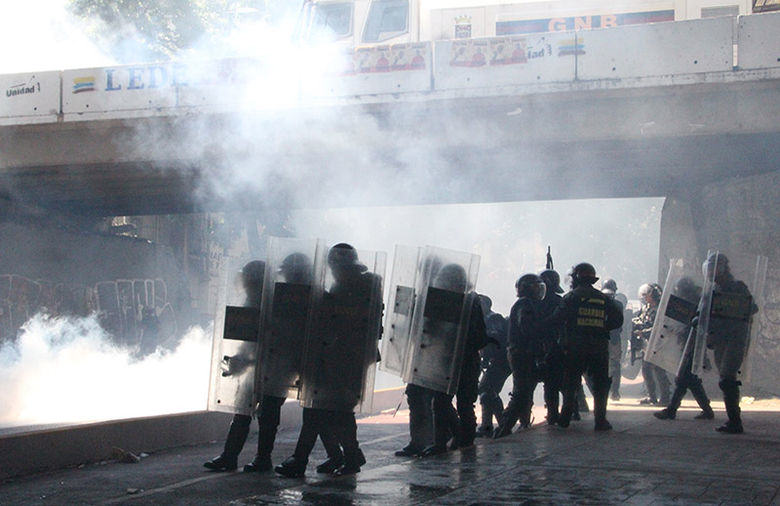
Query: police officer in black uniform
x,y
588,315
728,339
495,367
525,349
553,353
252,275
464,426
686,380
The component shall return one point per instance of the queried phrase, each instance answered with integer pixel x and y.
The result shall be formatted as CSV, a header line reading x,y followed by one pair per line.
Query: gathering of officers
x,y
309,323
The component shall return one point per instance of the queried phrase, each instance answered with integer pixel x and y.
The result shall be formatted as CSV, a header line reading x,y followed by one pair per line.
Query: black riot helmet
x,y
686,289
609,284
552,279
344,257
296,268
716,266
531,286
452,277
252,275
583,274
486,303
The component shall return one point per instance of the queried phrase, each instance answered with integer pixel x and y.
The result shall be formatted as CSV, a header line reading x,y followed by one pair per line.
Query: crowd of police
x,y
318,341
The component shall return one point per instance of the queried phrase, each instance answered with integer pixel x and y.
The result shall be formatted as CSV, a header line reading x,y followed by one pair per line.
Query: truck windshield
x,y
331,20
386,19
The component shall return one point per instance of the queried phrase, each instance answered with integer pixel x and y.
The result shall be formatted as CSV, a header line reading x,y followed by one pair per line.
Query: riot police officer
x,y
553,354
252,275
453,277
495,367
728,340
686,380
588,316
525,350
654,377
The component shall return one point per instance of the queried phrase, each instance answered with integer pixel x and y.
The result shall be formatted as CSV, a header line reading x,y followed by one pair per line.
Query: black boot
x,y
352,464
221,463
331,465
600,411
292,468
228,460
730,389
259,464
485,428
697,389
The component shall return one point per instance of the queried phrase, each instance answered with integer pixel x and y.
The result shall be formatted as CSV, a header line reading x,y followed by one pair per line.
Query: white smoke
x,y
43,35
65,370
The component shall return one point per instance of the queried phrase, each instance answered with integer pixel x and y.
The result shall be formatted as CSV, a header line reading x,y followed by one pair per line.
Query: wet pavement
x,y
642,461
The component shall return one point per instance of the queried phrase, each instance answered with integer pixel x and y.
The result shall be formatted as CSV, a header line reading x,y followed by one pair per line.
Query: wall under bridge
x,y
740,217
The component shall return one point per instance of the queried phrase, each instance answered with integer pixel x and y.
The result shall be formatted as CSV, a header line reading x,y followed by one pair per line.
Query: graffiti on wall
x,y
135,312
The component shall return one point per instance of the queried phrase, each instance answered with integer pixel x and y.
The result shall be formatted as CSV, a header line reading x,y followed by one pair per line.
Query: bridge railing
x,y
387,73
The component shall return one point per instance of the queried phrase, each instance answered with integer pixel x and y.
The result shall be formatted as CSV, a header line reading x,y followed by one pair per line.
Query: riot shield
x,y
672,324
441,318
291,270
234,349
726,314
764,351
398,320
339,364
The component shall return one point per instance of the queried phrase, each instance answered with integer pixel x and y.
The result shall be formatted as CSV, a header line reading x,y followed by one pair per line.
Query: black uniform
x,y
553,368
588,316
496,369
728,338
525,353
464,426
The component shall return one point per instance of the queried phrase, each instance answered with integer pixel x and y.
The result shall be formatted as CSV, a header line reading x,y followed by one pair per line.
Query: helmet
x,y
253,272
651,289
344,256
686,289
295,267
609,284
486,303
717,261
451,277
531,286
583,273
552,279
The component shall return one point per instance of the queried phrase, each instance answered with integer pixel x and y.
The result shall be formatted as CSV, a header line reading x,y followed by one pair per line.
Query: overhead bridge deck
x,y
618,112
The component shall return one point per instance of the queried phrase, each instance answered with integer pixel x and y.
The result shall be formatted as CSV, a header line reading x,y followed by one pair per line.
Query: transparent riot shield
x,y
398,318
339,364
629,365
235,345
672,324
441,318
291,271
726,314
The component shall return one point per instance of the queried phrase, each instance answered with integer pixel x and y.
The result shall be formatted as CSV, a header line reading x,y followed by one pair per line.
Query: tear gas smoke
x,y
43,35
64,370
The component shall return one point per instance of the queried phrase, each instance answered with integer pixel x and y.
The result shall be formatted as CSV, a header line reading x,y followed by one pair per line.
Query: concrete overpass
x,y
654,110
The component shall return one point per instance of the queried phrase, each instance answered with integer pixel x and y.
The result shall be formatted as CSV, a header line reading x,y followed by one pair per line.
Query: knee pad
x,y
728,383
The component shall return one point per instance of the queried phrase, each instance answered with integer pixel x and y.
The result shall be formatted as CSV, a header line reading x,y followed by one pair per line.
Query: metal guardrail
x,y
383,72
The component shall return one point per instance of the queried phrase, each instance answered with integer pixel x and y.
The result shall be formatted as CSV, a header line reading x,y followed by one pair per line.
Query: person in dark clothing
x,y
728,338
686,380
551,336
525,348
350,315
616,339
495,367
588,315
654,377
453,277
252,275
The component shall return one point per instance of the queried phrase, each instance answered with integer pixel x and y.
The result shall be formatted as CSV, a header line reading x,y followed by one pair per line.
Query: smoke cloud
x,y
64,370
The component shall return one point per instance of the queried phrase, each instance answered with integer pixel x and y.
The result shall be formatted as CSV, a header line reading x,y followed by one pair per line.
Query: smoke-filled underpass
x,y
389,252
